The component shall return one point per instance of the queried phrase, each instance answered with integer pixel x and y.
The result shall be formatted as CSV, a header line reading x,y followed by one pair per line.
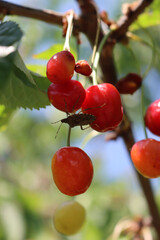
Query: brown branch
x,y
108,66
88,20
125,131
88,23
48,16
146,186
130,15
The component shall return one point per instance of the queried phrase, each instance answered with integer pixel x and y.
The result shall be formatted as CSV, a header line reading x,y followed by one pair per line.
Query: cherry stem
x,y
69,136
96,41
144,76
97,57
151,46
143,111
69,30
137,63
89,136
77,47
151,63
134,37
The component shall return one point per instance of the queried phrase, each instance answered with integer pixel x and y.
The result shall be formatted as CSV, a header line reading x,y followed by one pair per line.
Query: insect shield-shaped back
x,y
80,119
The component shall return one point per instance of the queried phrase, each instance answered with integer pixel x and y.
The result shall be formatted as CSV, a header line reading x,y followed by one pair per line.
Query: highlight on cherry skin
x,y
152,117
72,170
67,97
60,67
104,102
69,217
145,155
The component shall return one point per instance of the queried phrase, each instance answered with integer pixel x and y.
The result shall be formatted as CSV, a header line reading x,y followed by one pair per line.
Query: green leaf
x,y
10,33
40,69
139,52
5,115
150,17
17,86
47,54
42,82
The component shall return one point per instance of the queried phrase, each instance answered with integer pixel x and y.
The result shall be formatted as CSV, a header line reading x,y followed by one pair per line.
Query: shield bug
x,y
80,119
77,119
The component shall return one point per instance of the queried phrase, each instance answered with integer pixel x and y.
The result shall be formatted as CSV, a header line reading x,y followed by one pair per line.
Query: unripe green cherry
x,y
69,217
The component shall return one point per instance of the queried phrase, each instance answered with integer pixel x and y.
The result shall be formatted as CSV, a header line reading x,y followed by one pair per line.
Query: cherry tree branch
x,y
145,185
131,14
88,19
48,16
84,22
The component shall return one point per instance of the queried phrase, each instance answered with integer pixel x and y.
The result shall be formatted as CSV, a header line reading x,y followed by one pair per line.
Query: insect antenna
x,y
56,122
58,127
58,130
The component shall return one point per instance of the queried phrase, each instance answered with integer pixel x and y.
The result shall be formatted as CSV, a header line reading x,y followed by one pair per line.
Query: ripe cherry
x,y
60,67
152,117
145,155
69,217
104,102
72,170
83,67
129,84
67,97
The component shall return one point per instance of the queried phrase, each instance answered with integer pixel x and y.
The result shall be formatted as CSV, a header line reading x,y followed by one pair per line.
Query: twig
x,y
127,19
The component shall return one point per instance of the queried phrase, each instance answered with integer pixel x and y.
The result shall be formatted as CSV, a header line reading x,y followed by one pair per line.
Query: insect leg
x,y
95,107
66,108
75,103
84,128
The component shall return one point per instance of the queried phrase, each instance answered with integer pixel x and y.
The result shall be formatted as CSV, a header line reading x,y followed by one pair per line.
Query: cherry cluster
x,y
71,167
101,108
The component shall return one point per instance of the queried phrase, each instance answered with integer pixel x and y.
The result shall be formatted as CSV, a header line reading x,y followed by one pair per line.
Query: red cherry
x,y
72,170
68,97
83,68
152,117
104,102
145,155
129,84
60,67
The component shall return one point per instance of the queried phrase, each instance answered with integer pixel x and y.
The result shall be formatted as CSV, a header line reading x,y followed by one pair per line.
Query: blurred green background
x,y
28,196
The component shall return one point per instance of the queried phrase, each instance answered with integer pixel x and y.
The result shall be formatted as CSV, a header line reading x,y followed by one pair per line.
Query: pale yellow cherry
x,y
69,217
